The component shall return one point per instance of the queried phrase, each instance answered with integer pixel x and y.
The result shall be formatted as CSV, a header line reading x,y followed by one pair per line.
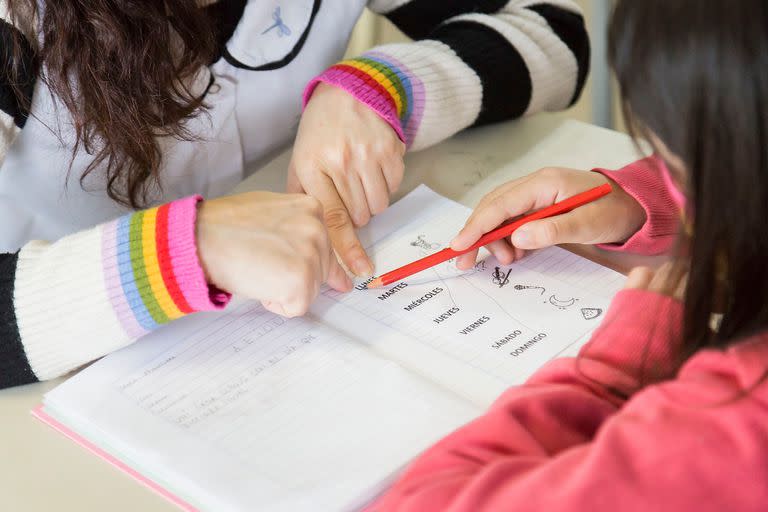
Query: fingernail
x,y
521,237
362,267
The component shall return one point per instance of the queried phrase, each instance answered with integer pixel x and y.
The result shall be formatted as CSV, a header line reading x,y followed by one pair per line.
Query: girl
x,y
666,408
111,106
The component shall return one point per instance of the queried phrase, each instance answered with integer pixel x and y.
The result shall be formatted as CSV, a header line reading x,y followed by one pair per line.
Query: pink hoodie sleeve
x,y
642,180
570,440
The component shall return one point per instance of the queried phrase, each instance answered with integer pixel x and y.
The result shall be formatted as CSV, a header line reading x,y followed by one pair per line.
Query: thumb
x,y
562,229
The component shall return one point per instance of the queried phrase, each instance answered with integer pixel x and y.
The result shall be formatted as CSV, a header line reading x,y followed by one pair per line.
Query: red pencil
x,y
502,231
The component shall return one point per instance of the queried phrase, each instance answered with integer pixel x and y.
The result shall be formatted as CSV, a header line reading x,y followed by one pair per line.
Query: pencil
x,y
502,231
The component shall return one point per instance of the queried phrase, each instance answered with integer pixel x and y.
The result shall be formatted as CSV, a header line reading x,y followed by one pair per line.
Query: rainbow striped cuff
x,y
384,84
151,269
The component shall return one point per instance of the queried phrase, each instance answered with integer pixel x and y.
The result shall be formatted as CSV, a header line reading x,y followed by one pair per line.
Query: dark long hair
x,y
123,68
695,74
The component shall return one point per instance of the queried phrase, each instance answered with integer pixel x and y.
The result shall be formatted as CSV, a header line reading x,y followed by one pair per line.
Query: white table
x,y
40,470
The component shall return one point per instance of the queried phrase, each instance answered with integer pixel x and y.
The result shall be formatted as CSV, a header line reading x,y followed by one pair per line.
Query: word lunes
x,y
364,285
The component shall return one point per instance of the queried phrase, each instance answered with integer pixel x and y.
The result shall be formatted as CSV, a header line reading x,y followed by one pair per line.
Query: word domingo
x,y
421,300
506,339
528,344
387,294
446,315
474,325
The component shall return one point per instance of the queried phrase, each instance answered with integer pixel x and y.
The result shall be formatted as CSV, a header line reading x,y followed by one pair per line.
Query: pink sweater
x,y
583,435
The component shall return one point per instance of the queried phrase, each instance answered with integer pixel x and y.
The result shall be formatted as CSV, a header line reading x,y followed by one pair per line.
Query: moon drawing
x,y
591,313
560,303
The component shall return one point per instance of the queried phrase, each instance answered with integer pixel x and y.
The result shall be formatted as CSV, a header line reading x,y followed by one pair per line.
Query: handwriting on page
x,y
492,317
206,377
287,396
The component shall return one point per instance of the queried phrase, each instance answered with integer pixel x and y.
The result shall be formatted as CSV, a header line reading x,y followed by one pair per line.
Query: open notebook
x,y
245,410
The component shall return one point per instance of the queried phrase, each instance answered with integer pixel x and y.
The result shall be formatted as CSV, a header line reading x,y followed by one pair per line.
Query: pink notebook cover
x,y
40,414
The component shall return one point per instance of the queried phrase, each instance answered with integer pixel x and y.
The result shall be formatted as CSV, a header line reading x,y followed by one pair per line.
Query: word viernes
x,y
474,325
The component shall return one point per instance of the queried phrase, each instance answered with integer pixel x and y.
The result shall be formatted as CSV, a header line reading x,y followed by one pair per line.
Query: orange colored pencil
x,y
502,231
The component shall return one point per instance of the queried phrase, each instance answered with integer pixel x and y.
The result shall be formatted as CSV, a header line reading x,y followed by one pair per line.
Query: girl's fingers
x,y
490,214
639,278
467,261
572,227
502,250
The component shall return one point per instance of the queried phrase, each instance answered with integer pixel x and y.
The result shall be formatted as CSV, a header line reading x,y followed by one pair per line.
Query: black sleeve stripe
x,y
569,27
418,18
14,365
506,81
225,16
13,105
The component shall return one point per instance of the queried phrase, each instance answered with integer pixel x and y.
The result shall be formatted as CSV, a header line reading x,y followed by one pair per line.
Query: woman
x,y
109,107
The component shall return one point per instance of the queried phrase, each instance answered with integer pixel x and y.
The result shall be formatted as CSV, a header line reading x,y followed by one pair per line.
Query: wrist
x,y
188,258
631,211
365,85
642,181
201,241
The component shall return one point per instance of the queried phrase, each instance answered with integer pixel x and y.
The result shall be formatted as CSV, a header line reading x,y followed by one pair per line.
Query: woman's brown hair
x,y
123,69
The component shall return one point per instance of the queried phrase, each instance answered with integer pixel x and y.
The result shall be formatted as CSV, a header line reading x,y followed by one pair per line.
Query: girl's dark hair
x,y
695,74
123,68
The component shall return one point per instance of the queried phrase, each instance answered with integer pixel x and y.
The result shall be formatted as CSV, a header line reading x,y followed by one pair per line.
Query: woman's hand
x,y
269,247
351,160
611,219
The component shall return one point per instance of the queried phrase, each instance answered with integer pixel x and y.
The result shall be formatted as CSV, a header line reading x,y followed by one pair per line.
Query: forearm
x,y
66,303
642,180
469,65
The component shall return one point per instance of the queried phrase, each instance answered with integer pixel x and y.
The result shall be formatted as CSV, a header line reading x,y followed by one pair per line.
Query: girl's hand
x,y
613,218
351,160
269,247
668,279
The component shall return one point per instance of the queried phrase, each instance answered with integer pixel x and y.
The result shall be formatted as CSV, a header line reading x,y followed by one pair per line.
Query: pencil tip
x,y
376,283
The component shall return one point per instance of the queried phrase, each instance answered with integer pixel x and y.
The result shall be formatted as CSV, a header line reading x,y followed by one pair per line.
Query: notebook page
x,y
245,410
501,323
